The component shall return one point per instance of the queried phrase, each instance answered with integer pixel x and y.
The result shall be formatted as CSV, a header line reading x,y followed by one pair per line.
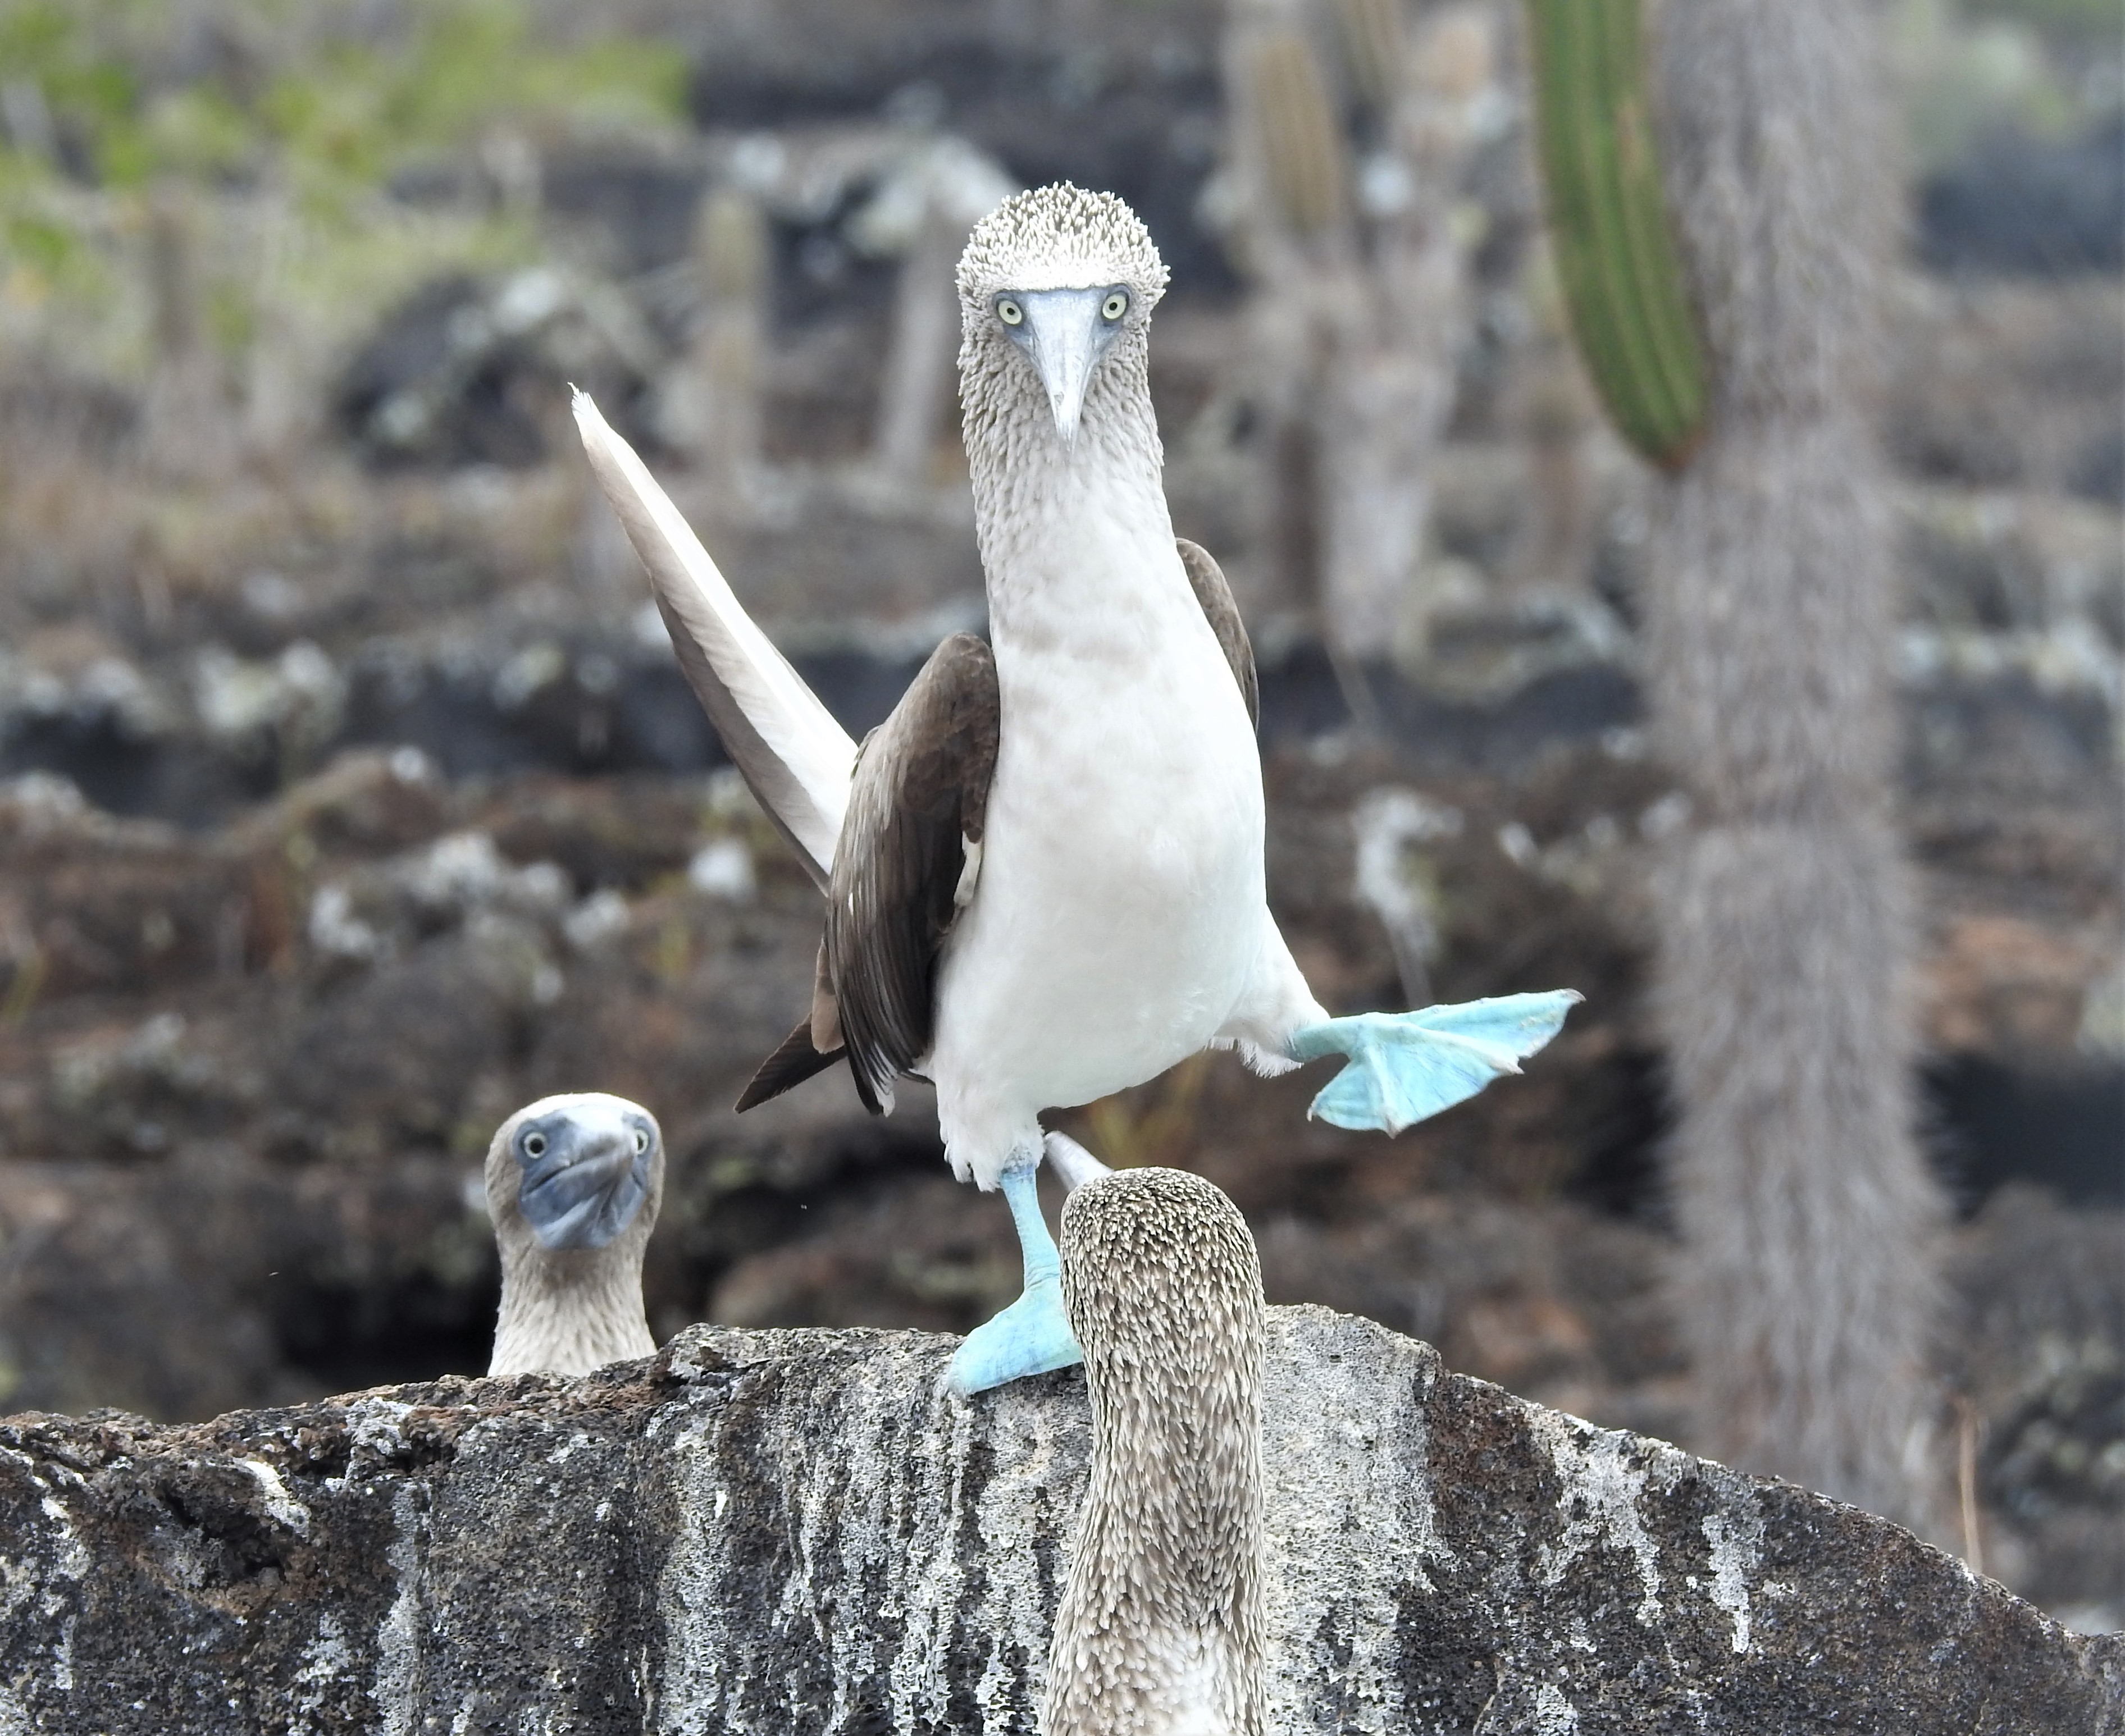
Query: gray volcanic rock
x,y
799,1531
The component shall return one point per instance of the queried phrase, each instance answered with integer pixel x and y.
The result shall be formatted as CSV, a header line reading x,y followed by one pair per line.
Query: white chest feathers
x,y
1120,901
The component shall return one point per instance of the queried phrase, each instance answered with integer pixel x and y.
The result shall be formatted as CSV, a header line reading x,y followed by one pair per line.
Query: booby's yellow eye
x,y
641,1142
1009,312
1114,306
535,1145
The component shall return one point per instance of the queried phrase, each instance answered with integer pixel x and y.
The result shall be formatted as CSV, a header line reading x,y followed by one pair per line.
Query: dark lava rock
x,y
1126,99
2030,205
798,1532
212,1280
468,371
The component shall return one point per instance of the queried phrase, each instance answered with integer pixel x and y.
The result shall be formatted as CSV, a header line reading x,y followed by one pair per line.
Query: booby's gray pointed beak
x,y
1068,336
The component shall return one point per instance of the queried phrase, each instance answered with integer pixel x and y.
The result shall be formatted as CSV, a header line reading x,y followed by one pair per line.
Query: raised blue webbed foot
x,y
1405,1066
1031,1336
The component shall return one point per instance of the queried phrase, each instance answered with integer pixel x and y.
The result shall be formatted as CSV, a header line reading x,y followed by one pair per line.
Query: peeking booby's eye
x,y
535,1144
1009,312
1114,306
641,1140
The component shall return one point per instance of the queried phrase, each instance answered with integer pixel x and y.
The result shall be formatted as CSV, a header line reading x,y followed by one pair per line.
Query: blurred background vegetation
x,y
298,136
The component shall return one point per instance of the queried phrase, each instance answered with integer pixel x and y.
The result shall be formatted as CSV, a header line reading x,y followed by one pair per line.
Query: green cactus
x,y
1615,254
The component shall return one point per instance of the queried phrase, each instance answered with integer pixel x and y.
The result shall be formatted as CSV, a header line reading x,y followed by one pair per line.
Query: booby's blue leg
x,y
1405,1066
1030,1337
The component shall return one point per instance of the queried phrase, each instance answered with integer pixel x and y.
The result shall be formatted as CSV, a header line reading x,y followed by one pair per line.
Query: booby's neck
x,y
1162,1630
567,1313
1074,531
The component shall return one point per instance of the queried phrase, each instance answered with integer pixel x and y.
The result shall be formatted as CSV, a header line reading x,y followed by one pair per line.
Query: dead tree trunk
x,y
730,343
186,430
1808,1277
1394,352
925,342
1360,279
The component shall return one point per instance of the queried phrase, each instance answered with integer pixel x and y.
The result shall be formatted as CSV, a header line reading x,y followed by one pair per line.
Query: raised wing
x,y
914,829
1207,578
794,756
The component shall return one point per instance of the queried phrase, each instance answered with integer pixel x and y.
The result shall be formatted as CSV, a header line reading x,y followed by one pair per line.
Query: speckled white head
x,y
1055,289
1060,238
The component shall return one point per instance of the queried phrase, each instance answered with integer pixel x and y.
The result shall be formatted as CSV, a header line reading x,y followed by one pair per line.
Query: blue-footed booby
x,y
1043,872
573,1184
1162,1628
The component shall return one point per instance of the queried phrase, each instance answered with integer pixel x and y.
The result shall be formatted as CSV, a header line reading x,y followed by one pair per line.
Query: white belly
x,y
1120,902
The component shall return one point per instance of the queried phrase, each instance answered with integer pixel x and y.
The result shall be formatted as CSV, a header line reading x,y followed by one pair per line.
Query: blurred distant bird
x,y
1043,872
573,1184
1161,1626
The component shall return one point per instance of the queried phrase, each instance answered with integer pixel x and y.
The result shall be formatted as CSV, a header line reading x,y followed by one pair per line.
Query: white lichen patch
x,y
395,1690
66,1557
373,1430
65,1552
1736,1534
1348,1516
1554,1715
934,1501
325,1656
325,1661
273,1495
1605,1473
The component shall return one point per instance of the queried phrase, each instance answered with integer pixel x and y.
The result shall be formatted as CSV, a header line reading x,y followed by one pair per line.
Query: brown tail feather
x,y
794,1062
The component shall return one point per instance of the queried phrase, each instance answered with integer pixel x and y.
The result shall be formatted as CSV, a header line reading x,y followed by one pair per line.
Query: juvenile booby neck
x,y
1160,1629
573,1184
1045,871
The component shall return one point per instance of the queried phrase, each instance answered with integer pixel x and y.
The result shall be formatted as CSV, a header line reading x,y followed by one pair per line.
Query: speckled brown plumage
x,y
1160,1630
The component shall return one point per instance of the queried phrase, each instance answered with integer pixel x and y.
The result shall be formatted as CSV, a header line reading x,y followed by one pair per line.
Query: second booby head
x,y
573,1184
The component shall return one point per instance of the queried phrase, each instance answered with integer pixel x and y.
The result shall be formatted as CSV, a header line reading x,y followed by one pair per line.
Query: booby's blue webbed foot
x,y
1405,1066
1031,1336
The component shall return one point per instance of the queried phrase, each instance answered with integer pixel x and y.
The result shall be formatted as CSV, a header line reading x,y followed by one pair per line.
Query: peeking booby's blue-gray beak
x,y
1067,332
585,1174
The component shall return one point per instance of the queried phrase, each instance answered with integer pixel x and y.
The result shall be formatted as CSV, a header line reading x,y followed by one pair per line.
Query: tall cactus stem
x,y
1616,257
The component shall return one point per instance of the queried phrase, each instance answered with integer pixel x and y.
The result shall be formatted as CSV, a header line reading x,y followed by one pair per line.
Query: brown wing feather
x,y
794,1060
919,795
1207,581
921,792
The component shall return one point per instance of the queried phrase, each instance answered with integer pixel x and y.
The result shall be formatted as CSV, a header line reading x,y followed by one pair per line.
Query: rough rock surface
x,y
797,1531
